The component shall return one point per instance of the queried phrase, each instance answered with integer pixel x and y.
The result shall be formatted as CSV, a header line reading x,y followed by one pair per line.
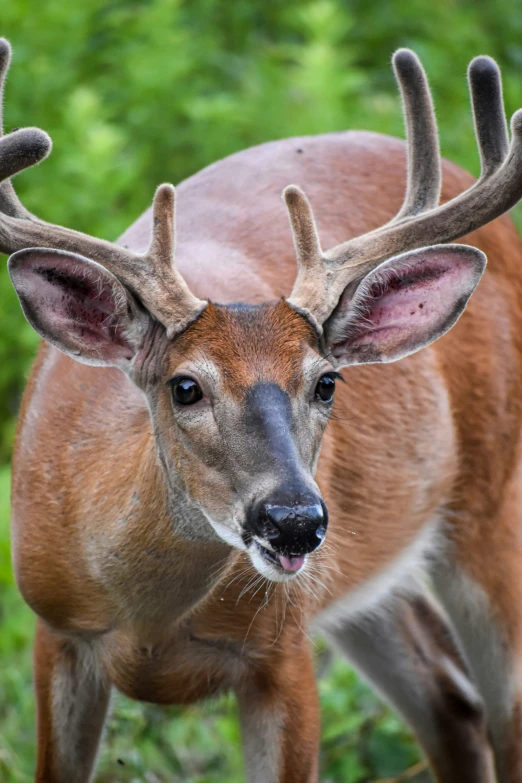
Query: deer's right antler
x,y
323,275
152,277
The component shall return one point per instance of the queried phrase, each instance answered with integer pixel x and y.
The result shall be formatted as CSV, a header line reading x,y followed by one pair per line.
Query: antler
x,y
323,275
152,276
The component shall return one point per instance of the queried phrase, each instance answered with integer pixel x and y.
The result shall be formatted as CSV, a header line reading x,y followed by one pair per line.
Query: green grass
x,y
361,739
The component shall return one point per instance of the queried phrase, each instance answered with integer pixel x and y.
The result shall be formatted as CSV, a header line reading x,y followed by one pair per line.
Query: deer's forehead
x,y
246,344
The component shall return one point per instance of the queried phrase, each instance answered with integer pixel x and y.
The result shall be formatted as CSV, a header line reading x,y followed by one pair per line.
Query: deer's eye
x,y
185,391
325,388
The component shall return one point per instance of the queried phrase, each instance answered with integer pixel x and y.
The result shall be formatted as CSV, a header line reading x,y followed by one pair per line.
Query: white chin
x,y
266,569
271,572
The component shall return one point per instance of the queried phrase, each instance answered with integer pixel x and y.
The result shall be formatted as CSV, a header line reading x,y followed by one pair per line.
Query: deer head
x,y
239,396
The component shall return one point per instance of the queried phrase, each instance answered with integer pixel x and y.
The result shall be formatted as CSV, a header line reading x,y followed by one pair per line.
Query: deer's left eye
x,y
185,391
324,391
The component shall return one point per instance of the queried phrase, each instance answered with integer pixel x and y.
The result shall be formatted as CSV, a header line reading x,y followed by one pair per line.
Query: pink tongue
x,y
292,562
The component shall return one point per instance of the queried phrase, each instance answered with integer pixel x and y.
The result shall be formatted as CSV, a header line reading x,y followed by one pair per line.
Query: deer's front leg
x,y
72,700
279,713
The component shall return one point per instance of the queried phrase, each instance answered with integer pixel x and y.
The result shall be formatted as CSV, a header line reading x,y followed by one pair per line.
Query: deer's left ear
x,y
403,305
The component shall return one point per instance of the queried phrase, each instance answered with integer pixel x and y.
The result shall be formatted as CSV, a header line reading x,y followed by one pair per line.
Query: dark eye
x,y
325,388
186,391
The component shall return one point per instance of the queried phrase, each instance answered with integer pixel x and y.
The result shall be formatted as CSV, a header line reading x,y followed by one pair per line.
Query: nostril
x,y
270,531
320,532
268,524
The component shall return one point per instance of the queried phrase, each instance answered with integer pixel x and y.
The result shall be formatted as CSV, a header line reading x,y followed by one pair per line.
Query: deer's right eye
x,y
185,391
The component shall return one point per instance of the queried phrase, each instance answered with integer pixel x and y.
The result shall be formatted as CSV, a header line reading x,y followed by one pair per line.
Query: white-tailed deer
x,y
169,497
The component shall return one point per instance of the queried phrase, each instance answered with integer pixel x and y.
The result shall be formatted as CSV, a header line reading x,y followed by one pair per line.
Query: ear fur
x,y
78,306
406,303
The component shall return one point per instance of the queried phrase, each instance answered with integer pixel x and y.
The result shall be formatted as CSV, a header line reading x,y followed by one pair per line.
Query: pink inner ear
x,y
406,304
409,302
83,301
74,304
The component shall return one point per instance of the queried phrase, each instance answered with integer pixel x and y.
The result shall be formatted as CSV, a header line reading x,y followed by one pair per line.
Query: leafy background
x,y
136,92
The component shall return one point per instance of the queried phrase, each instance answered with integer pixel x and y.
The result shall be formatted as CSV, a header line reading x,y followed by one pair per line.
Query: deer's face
x,y
240,396
239,415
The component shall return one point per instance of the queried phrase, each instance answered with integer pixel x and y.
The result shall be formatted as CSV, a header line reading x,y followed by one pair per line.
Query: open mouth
x,y
287,563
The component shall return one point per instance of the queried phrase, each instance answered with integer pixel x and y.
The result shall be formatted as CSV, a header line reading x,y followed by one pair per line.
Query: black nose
x,y
291,530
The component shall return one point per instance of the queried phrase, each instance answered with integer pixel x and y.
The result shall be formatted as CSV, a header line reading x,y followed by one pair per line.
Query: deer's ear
x,y
403,305
78,306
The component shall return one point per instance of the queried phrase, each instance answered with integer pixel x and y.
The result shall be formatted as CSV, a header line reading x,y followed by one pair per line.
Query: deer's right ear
x,y
78,306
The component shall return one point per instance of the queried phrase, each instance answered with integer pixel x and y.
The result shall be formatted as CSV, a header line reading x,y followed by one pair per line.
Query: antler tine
x,y
18,150
5,61
171,291
21,150
423,162
152,277
163,238
307,292
306,239
485,86
498,190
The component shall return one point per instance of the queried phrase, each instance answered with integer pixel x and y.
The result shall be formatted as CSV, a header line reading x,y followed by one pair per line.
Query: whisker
x,y
308,588
248,569
250,585
319,582
221,566
261,606
300,627
264,581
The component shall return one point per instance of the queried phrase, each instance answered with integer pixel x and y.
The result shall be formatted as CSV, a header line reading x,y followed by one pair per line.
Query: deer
x,y
189,501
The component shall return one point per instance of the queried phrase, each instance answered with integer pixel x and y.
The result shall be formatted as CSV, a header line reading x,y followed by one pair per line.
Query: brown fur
x,y
249,350
435,435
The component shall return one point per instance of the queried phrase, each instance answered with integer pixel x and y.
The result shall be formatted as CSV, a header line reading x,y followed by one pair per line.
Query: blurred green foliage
x,y
135,92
